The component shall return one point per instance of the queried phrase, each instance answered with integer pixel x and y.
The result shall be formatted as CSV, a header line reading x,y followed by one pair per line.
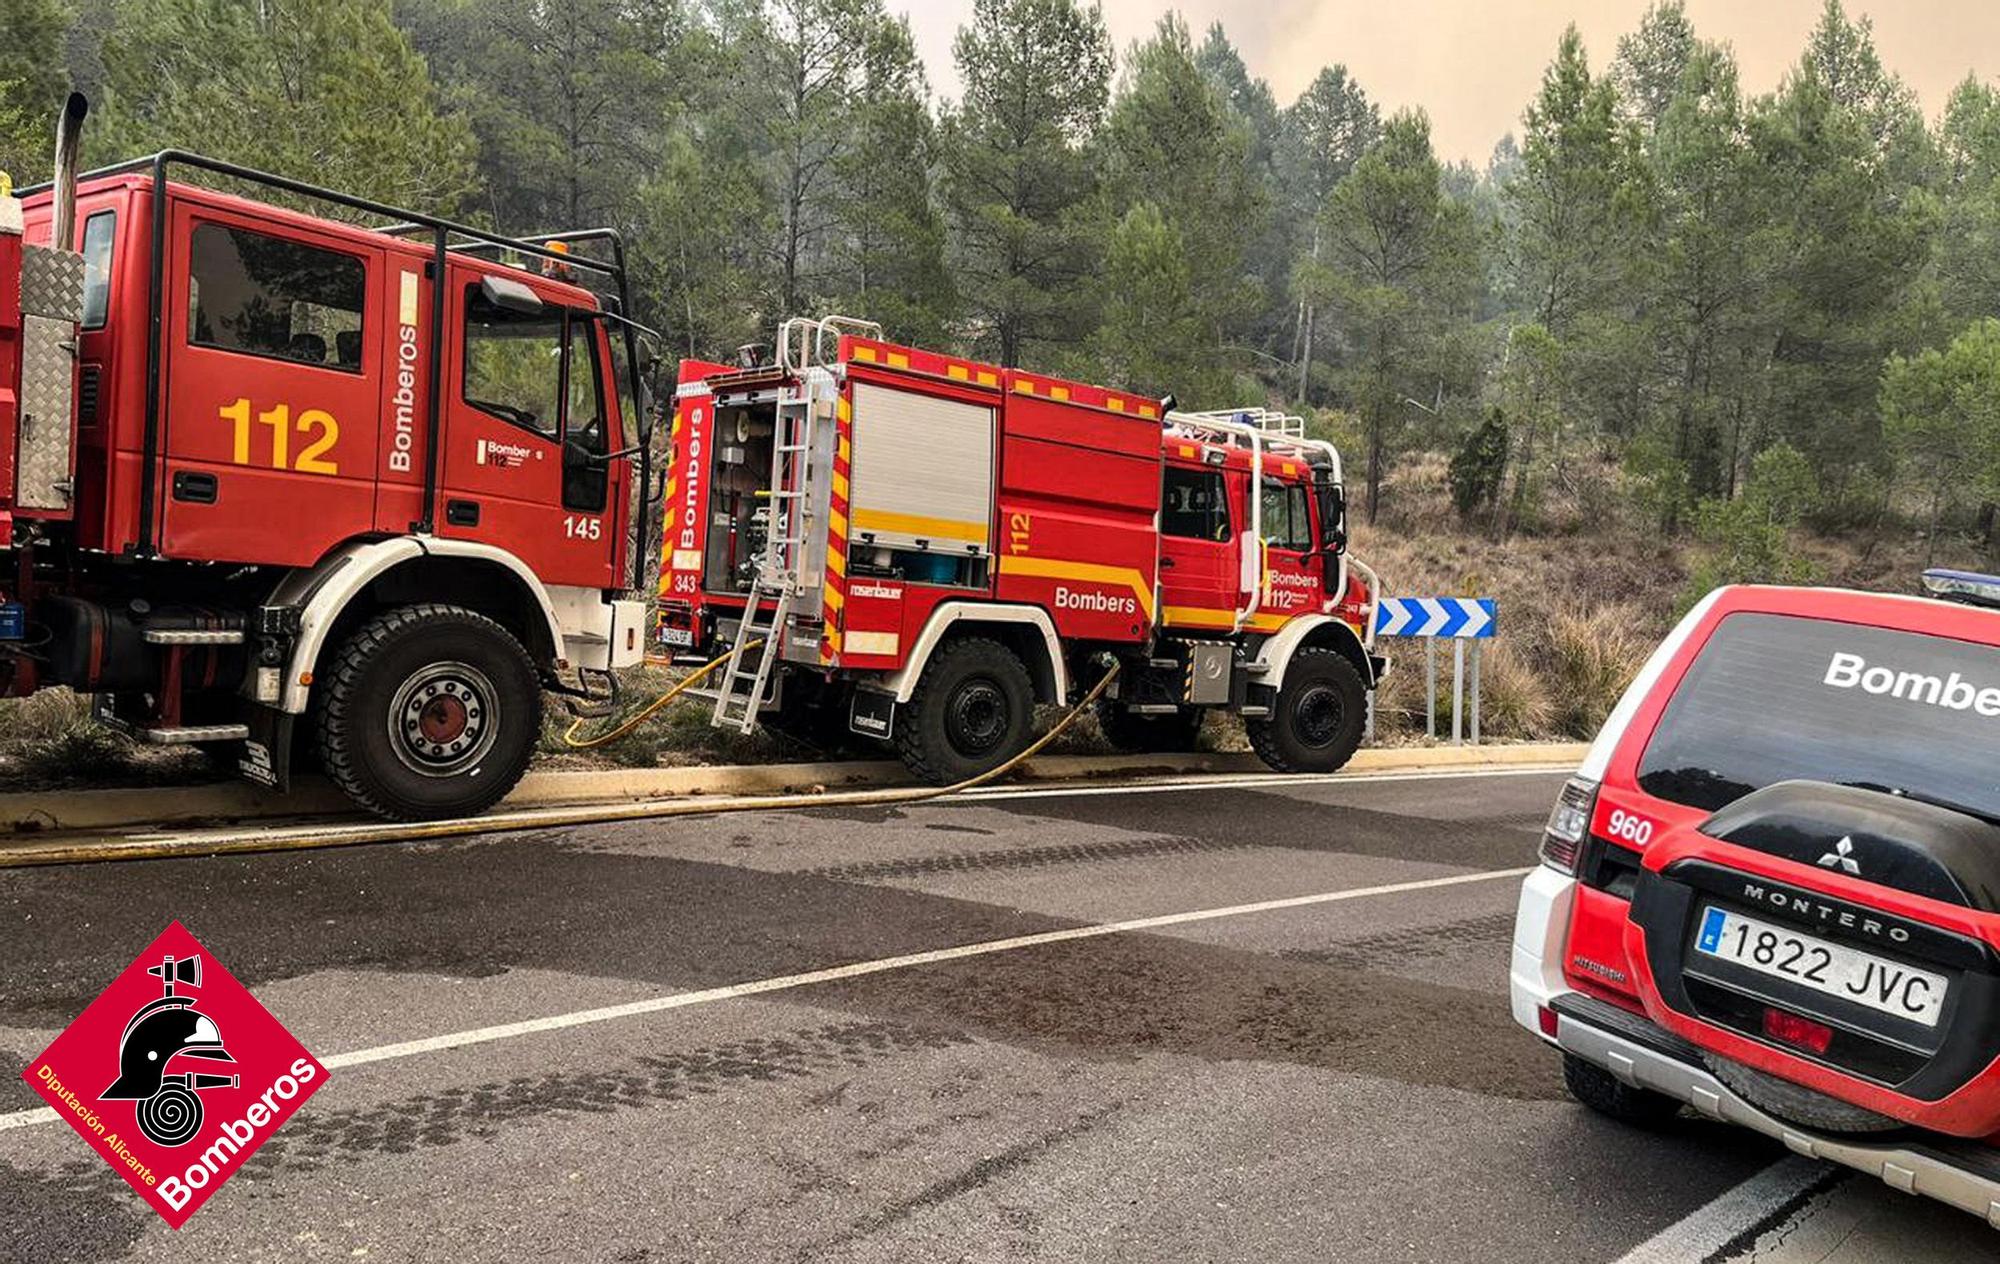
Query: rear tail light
x,y
1569,824
1800,1033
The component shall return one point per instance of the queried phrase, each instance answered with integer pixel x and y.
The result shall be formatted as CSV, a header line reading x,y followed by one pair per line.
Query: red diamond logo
x,y
175,1075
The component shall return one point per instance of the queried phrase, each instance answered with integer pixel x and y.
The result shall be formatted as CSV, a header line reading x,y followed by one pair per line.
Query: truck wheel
x,y
429,711
971,712
1606,1094
1149,734
1316,724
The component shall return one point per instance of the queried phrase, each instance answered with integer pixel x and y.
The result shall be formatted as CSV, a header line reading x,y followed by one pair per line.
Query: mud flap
x,y
873,714
266,759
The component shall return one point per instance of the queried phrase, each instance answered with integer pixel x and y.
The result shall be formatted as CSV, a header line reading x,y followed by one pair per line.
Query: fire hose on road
x,y
143,847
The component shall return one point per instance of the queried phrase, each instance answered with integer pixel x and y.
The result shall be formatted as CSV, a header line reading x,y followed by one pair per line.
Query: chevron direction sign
x,y
1458,618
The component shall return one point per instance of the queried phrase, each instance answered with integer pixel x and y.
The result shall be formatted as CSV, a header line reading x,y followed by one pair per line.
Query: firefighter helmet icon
x,y
160,1031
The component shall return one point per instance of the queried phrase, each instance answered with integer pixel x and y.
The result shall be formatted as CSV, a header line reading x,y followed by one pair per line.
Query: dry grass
x,y
49,740
1577,615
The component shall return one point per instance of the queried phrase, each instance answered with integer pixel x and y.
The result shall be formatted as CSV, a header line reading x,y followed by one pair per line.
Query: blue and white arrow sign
x,y
1455,617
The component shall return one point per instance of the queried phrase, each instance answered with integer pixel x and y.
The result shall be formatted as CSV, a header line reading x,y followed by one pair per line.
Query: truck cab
x,y
283,484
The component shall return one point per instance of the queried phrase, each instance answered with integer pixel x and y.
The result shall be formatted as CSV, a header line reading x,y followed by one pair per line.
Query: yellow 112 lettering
x,y
317,423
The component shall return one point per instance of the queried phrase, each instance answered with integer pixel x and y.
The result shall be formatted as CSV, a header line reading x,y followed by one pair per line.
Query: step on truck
x,y
287,488
917,548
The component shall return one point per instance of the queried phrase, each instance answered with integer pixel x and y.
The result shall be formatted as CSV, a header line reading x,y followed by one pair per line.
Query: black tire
x,y
1149,734
467,709
1606,1094
973,710
1317,721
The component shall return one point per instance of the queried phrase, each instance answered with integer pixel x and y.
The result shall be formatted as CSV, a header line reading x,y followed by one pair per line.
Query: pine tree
x,y
802,65
31,86
1713,251
1018,172
323,90
1651,61
1174,142
1576,199
1322,135
1399,258
568,140
889,236
1152,330
1838,149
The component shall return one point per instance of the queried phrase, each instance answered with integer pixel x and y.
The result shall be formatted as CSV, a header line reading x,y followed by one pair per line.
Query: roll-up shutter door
x,y
922,472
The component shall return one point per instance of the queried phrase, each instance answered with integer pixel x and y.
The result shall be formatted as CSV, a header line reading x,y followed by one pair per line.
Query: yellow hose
x,y
551,818
905,794
571,740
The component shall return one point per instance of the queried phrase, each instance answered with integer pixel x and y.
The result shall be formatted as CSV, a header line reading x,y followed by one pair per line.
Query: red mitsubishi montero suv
x,y
1772,892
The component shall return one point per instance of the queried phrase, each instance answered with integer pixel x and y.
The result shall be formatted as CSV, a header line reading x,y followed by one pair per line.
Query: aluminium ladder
x,y
780,579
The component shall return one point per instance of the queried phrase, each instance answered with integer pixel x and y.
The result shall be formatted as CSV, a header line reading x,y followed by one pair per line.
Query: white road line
x,y
614,814
1706,1230
783,982
1252,781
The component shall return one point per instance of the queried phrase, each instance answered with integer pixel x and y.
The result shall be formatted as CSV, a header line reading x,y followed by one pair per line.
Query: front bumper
x,y
1964,1174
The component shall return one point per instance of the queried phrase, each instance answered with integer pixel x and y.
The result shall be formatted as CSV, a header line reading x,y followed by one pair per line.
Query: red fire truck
x,y
269,480
919,548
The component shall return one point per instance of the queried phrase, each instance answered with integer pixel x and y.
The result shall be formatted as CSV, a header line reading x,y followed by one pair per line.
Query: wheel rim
x,y
978,717
1316,718
444,719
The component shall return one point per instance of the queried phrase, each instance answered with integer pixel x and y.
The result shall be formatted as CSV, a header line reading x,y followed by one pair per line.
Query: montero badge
x,y
175,1074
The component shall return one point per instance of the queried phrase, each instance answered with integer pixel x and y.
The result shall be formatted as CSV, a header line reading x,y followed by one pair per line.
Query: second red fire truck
x,y
921,548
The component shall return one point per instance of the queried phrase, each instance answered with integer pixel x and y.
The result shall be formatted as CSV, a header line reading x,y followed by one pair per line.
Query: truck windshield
x,y
1776,698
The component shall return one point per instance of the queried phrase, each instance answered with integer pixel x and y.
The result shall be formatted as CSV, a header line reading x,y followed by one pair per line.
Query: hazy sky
x,y
1474,63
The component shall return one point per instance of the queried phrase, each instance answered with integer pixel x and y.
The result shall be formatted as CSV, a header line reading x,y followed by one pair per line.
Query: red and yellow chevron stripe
x,y
835,587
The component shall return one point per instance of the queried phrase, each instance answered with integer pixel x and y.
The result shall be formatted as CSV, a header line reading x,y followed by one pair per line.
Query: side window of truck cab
x,y
261,295
541,371
1194,505
1287,521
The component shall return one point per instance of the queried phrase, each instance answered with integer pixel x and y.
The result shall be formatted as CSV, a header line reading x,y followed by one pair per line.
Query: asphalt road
x,y
1336,1080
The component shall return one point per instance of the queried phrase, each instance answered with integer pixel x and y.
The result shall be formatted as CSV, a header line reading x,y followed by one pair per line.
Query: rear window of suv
x,y
1777,697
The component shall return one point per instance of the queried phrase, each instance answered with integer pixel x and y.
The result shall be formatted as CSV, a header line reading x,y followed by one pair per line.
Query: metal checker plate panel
x,y
48,382
52,283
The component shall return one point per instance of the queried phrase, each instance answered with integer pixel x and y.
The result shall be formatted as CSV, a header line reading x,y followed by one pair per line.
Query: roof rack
x,y
802,339
1262,429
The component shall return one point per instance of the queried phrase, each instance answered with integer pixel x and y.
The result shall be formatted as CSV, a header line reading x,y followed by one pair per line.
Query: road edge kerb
x,y
26,814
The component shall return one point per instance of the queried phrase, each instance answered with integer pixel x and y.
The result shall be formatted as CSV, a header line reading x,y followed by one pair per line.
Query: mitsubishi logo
x,y
1842,857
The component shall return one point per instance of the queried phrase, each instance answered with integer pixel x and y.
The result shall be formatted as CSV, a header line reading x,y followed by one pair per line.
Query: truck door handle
x,y
194,488
1166,561
461,513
